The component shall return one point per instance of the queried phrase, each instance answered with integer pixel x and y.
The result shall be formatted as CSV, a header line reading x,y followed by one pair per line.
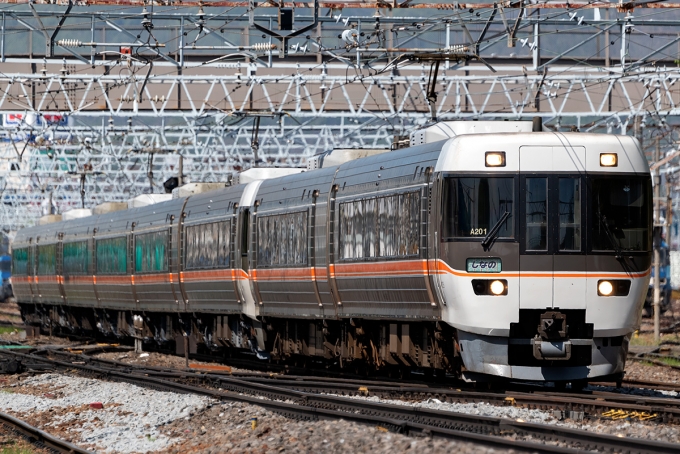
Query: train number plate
x,y
485,265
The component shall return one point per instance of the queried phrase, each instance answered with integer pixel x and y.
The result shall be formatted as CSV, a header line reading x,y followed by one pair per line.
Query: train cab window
x,y
151,252
111,255
47,259
473,207
569,193
621,214
20,261
536,196
76,258
207,245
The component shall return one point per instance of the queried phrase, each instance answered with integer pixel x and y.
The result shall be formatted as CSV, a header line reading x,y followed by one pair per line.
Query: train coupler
x,y
551,342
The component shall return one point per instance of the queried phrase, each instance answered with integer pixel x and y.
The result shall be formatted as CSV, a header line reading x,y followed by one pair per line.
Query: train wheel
x,y
579,385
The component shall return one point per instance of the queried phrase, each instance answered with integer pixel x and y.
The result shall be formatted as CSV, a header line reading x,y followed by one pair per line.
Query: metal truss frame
x,y
116,122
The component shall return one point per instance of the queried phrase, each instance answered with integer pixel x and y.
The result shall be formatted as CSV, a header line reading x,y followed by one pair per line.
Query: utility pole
x,y
657,238
180,171
669,213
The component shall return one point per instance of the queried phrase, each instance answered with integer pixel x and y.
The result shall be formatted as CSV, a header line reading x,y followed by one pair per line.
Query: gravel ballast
x,y
128,422
135,419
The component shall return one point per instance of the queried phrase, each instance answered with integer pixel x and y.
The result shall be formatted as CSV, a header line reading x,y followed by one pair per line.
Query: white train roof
x,y
543,152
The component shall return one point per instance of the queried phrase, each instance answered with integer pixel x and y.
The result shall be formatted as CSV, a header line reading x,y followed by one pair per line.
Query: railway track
x,y
301,373
408,419
658,359
38,437
574,405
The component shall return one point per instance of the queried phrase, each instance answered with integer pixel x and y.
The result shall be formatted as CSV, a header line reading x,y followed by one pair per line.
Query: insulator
x,y
69,43
146,22
349,36
263,47
458,49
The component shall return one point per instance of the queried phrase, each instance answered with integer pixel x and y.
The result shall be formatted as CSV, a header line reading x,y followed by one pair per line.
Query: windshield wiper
x,y
610,235
494,231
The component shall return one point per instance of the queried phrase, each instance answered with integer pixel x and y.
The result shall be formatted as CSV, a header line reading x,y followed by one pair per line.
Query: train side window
x,y
47,259
151,252
398,224
76,258
20,261
536,214
282,239
569,193
111,255
382,227
207,245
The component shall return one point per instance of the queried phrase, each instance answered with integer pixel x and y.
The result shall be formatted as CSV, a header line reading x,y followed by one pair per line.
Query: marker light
x,y
497,287
608,160
604,288
495,158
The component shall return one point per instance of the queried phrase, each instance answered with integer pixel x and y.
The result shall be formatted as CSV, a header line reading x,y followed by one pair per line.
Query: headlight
x,y
490,287
495,158
608,160
497,287
604,288
613,287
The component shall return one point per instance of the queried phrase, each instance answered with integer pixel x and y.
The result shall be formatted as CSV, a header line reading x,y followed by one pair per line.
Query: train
x,y
6,276
665,287
484,251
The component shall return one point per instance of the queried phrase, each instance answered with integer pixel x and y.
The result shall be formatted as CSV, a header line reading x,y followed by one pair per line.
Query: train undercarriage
x,y
358,345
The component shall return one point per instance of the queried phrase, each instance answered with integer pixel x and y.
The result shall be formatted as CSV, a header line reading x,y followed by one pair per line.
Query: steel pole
x,y
180,171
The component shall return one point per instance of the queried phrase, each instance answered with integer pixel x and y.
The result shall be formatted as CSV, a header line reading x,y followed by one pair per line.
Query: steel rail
x,y
667,409
37,436
407,418
664,386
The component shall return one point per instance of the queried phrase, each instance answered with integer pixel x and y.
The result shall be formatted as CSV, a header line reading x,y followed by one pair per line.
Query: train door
x,y
552,259
569,262
241,233
59,267
30,271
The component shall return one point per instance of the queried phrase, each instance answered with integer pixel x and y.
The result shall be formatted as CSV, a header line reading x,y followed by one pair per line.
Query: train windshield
x,y
621,214
474,205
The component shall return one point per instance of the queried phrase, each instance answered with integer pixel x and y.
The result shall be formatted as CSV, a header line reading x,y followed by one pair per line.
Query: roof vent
x,y
49,219
76,214
341,156
448,129
109,207
264,173
147,199
195,188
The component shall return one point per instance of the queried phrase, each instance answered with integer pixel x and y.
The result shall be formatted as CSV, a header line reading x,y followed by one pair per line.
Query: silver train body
x,y
522,255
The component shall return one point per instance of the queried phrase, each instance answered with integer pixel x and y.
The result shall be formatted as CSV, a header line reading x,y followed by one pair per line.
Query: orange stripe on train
x,y
309,274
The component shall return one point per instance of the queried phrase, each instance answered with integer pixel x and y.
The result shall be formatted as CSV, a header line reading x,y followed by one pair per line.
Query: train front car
x,y
545,252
